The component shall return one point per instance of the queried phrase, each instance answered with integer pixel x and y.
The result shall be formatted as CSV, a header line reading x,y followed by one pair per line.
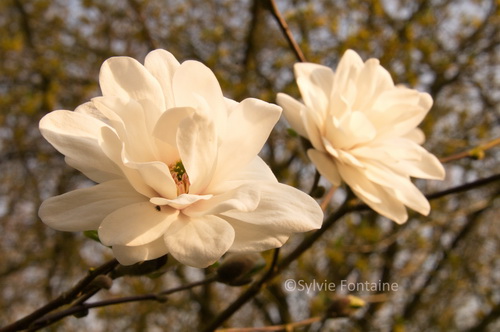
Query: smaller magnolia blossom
x,y
176,165
363,131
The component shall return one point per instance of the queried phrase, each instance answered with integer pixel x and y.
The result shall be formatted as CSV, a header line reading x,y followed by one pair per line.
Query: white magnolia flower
x,y
176,164
363,131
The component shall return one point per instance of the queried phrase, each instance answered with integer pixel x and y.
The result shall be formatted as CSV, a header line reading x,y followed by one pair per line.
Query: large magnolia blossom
x,y
176,164
363,131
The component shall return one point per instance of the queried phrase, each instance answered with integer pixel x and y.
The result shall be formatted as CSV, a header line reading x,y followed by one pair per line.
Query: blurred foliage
x,y
447,265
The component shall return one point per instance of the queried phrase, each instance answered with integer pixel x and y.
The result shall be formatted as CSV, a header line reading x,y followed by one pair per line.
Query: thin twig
x,y
286,31
465,187
84,307
476,152
314,187
326,200
283,327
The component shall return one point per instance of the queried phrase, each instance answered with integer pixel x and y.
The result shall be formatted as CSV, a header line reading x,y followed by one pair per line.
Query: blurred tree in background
x,y
447,265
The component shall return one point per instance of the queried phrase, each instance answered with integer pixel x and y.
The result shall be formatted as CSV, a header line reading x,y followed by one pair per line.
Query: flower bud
x,y
318,192
81,313
102,282
238,269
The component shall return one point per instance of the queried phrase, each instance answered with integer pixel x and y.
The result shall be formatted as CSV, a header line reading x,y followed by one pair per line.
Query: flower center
x,y
180,177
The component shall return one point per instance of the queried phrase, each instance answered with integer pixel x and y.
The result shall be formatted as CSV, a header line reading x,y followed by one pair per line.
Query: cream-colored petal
x,y
76,135
127,117
374,195
128,255
249,126
168,124
195,85
348,69
372,80
113,149
297,213
199,242
126,77
89,109
427,167
85,209
254,171
313,129
416,135
197,144
325,165
400,184
255,238
181,201
136,224
292,110
156,175
243,198
315,84
162,65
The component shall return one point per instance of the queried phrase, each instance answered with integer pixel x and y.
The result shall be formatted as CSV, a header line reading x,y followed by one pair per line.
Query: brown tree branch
x,y
63,299
80,308
286,31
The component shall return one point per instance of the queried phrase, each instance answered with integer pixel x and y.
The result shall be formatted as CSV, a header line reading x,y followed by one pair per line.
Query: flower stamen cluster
x,y
180,177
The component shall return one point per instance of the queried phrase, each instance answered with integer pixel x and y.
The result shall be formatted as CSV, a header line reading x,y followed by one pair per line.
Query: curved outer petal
x,y
403,189
89,109
199,242
376,196
127,78
292,110
84,209
162,65
297,213
255,238
128,255
248,128
136,224
325,165
76,135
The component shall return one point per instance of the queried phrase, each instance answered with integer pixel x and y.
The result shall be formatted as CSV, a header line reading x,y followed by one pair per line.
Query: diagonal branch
x,y
63,299
286,31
